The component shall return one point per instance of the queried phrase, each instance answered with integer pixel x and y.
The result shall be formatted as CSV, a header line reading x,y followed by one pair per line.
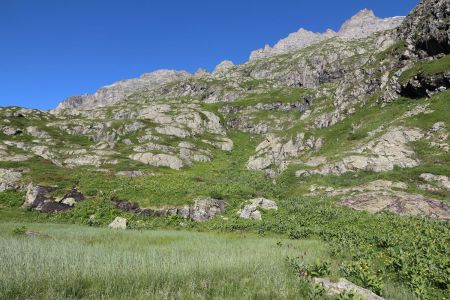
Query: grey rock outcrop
x,y
379,155
400,203
252,210
435,182
343,285
206,208
9,130
10,179
377,185
295,41
201,210
223,68
274,152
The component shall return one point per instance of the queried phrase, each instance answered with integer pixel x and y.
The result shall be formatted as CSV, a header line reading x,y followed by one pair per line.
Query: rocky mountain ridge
x,y
361,25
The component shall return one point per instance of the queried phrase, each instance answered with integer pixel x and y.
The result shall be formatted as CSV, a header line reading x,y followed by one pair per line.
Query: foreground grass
x,y
83,262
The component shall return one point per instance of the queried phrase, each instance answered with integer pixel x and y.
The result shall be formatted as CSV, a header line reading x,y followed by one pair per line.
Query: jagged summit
x,y
361,25
365,23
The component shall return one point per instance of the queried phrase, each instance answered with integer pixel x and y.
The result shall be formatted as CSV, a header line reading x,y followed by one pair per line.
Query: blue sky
x,y
52,49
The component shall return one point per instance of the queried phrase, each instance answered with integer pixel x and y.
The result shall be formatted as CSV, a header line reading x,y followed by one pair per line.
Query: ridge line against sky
x,y
51,49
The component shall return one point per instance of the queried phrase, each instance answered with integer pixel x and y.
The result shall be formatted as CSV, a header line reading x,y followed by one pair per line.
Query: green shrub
x,y
20,230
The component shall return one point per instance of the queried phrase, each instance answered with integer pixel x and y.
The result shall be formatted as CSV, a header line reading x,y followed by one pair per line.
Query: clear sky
x,y
52,49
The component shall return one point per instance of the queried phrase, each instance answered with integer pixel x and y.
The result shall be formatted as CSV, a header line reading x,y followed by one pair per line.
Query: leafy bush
x,y
20,230
317,269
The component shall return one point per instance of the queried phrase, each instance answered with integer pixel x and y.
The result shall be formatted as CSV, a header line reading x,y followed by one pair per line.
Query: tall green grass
x,y
91,263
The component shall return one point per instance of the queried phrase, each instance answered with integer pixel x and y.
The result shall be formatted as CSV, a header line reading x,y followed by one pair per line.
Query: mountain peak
x,y
364,13
361,25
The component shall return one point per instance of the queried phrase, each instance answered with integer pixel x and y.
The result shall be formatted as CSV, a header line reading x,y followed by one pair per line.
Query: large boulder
x,y
118,223
252,210
343,285
206,208
399,203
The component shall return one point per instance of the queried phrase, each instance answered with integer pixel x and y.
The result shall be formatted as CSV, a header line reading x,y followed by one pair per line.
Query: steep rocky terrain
x,y
360,116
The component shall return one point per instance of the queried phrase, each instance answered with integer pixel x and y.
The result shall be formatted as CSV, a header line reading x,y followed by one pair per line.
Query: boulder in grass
x,y
343,285
251,211
118,223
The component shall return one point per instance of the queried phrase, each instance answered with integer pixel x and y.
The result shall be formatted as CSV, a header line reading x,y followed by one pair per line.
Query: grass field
x,y
92,263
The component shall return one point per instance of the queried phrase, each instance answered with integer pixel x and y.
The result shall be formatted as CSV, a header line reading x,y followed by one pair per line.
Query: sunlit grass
x,y
83,262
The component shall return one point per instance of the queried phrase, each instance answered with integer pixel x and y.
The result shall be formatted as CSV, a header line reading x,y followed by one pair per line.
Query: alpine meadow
x,y
318,169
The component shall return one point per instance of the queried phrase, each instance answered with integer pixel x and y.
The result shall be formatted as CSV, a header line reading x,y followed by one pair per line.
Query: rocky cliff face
x,y
427,28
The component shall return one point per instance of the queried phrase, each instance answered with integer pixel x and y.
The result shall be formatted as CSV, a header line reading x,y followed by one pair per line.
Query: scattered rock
x,y
399,203
118,223
251,211
343,285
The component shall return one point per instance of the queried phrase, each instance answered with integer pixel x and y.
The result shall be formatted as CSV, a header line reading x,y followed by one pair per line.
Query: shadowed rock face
x,y
427,27
41,199
422,86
